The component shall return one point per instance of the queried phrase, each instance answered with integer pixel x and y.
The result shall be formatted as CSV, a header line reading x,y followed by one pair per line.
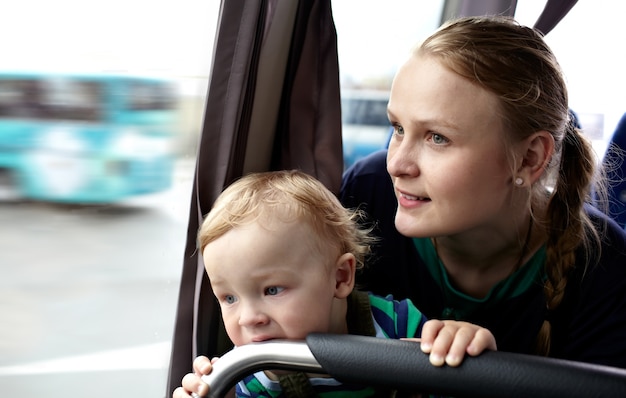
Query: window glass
x,y
20,98
94,195
371,48
586,43
150,96
65,99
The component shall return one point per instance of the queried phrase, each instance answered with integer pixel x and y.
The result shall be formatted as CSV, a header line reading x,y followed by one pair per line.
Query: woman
x,y
490,222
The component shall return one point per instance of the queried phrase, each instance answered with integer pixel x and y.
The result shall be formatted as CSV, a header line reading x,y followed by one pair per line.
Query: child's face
x,y
272,282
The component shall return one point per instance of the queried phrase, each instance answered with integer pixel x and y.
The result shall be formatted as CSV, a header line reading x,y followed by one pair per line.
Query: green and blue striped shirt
x,y
389,319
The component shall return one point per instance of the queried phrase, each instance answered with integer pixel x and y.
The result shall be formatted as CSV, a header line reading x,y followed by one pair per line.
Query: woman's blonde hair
x,y
290,196
514,63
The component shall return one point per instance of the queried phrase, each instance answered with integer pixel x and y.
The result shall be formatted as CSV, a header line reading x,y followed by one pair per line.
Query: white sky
x,y
589,44
176,37
131,35
374,39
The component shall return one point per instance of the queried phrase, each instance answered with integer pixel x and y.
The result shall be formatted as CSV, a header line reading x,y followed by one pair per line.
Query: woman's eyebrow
x,y
430,121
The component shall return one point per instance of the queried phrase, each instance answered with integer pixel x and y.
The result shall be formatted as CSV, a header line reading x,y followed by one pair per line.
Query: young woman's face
x,y
271,282
447,157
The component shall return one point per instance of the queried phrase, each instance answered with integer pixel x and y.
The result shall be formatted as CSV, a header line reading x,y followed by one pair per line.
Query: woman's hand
x,y
448,341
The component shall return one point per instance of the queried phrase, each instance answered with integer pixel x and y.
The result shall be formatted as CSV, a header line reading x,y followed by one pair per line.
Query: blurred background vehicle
x,y
81,138
364,123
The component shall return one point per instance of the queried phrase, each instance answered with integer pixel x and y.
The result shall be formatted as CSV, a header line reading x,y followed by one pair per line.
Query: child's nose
x,y
252,315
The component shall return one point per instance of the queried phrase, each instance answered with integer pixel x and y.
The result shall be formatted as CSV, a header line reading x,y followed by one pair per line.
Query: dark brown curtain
x,y
552,14
295,115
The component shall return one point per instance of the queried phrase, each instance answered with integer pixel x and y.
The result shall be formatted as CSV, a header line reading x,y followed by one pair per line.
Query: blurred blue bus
x,y
84,138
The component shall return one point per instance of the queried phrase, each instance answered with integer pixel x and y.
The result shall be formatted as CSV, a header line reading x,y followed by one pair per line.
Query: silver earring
x,y
519,181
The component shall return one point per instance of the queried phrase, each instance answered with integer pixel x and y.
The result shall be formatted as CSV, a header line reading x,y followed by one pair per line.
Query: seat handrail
x,y
402,365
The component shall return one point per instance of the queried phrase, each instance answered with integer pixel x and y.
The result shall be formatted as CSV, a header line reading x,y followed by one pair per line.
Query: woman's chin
x,y
406,225
411,227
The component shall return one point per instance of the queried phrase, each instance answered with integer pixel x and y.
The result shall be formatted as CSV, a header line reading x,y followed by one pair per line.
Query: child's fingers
x,y
193,384
202,365
180,392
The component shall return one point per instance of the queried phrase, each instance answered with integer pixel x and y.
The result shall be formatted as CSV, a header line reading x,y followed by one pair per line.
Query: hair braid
x,y
567,222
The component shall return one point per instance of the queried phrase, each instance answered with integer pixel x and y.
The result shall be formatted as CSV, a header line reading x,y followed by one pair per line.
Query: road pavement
x,y
88,294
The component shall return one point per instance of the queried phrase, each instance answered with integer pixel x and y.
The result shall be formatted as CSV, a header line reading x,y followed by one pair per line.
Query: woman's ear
x,y
537,152
345,270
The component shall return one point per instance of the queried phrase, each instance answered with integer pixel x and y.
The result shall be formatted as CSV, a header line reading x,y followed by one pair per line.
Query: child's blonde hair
x,y
290,196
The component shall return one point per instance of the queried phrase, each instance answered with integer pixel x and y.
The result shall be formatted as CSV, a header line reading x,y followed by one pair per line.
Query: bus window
x,y
100,111
147,96
67,99
592,63
371,48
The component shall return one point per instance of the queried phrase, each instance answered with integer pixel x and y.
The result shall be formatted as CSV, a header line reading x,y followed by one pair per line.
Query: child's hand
x,y
192,383
449,341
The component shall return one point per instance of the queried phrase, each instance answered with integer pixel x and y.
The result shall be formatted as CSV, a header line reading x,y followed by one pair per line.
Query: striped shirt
x,y
392,319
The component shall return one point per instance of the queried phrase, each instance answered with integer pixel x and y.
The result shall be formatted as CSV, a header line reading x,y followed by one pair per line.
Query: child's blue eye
x,y
230,299
439,139
273,290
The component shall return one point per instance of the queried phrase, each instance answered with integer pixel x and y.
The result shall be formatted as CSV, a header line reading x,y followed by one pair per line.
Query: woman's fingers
x,y
448,341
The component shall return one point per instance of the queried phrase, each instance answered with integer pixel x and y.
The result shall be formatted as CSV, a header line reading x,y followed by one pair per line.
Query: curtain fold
x,y
552,14
305,133
309,130
217,163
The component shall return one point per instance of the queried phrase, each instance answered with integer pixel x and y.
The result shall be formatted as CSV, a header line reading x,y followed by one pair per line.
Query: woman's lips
x,y
412,201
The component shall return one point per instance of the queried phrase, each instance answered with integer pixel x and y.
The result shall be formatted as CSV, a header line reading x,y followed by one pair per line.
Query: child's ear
x,y
345,270
537,152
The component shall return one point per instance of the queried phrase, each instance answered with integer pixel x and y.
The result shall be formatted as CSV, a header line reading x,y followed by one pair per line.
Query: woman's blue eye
x,y
399,130
273,290
230,299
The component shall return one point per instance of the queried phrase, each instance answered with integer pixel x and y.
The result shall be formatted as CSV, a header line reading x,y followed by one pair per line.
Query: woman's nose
x,y
402,160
